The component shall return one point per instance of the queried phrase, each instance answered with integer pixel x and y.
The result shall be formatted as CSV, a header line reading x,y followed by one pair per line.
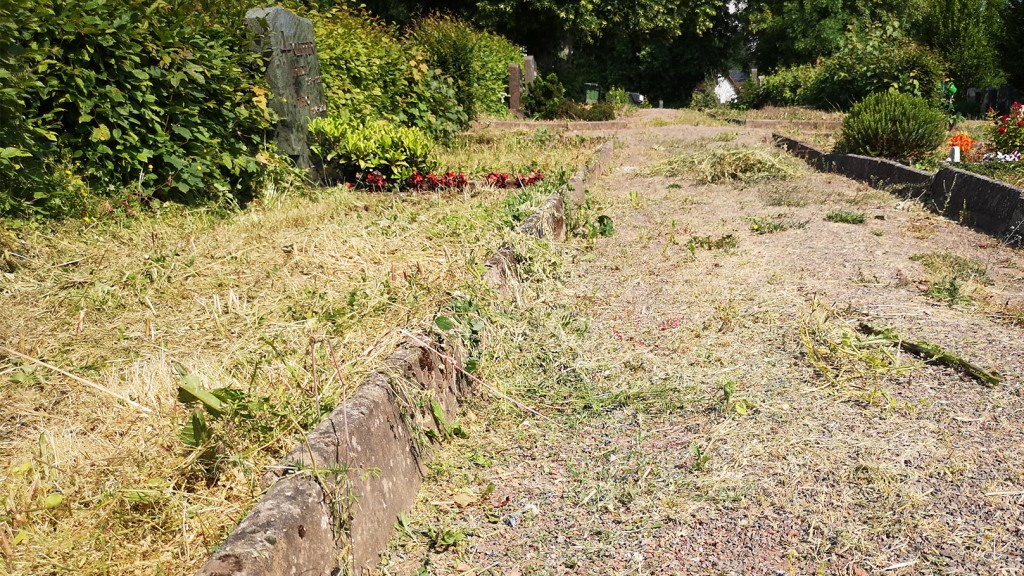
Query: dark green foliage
x,y
1011,41
601,111
545,98
132,96
477,61
876,57
966,32
893,125
794,32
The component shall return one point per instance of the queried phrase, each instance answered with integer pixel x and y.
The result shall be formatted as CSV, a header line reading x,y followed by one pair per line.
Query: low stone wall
x,y
988,205
557,125
768,123
983,203
331,506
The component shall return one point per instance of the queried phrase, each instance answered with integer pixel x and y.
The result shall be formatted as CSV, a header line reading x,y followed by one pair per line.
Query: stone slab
x,y
367,458
293,73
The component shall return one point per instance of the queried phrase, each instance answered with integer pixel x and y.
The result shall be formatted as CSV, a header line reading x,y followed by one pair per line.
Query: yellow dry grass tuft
x,y
251,300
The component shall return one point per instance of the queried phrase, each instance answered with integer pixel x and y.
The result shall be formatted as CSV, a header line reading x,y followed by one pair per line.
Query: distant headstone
x,y
989,102
636,99
1004,99
515,89
529,69
293,72
973,95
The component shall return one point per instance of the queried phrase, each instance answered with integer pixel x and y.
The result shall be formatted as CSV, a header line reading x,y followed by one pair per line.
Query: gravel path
x,y
710,408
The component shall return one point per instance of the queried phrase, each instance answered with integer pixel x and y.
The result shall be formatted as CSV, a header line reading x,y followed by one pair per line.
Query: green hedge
x,y
107,96
477,61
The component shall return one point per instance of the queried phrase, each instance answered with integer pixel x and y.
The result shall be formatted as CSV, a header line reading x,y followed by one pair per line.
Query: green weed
x,y
845,217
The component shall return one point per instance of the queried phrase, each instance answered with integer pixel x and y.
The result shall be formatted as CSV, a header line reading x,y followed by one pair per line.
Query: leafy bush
x,y
618,96
704,96
351,151
786,87
545,99
966,33
1007,132
876,58
152,97
370,75
477,61
893,125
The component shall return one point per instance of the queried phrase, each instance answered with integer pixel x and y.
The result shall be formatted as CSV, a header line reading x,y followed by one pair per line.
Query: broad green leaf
x,y
189,392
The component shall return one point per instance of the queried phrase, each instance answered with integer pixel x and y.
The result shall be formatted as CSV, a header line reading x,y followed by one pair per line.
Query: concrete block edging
x,y
991,206
331,506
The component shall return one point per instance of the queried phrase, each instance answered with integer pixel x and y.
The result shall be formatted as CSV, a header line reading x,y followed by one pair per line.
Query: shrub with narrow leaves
x,y
894,126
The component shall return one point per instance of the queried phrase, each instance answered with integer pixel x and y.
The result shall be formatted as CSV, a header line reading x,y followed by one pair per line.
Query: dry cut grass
x,y
289,303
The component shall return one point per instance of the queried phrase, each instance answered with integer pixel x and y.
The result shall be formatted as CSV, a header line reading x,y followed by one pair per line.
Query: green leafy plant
x,y
371,74
767,225
352,151
223,417
152,98
477,61
785,87
876,57
545,98
845,217
893,125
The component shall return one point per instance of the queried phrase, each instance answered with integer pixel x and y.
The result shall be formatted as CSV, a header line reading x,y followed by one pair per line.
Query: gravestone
x,y
989,101
293,72
1004,99
515,89
529,69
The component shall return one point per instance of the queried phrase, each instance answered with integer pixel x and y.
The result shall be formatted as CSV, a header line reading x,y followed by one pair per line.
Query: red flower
x,y
1002,129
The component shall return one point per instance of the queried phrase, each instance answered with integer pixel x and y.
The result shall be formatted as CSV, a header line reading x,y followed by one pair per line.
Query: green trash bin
x,y
593,92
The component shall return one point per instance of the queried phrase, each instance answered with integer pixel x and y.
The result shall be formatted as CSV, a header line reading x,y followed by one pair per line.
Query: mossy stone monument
x,y
293,72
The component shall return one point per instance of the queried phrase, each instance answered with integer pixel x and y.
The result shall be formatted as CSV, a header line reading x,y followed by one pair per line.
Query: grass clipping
x,y
751,164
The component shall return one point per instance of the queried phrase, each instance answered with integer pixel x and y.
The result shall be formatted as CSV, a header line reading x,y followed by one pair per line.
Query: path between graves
x,y
708,406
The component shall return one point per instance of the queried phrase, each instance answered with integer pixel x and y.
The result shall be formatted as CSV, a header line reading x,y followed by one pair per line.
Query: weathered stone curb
x,y
560,125
331,506
763,123
975,200
548,222
991,206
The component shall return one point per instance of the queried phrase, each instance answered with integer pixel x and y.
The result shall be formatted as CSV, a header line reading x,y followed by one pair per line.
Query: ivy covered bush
x,y
103,98
893,125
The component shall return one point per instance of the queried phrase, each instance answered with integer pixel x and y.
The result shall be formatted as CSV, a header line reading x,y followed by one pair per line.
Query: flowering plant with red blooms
x,y
375,180
432,182
506,180
1007,132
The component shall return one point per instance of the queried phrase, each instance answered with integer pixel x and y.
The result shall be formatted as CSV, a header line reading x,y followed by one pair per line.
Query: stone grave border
x,y
560,125
988,205
338,495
